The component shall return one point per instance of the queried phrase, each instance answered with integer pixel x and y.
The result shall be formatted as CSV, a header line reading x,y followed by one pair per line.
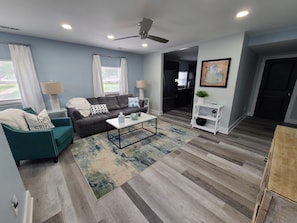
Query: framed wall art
x,y
214,73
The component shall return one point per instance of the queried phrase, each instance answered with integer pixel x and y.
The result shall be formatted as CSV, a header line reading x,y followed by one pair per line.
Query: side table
x,y
62,112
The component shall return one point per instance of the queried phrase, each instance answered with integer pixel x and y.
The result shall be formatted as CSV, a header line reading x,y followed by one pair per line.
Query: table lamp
x,y
141,84
53,89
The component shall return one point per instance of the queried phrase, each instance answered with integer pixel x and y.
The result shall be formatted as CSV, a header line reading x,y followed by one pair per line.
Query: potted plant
x,y
201,95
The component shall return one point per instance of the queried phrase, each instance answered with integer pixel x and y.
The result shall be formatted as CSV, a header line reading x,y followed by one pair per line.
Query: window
x,y
9,90
111,79
182,78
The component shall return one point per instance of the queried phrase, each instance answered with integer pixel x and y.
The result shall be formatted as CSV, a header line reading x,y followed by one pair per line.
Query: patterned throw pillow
x,y
39,122
98,109
133,102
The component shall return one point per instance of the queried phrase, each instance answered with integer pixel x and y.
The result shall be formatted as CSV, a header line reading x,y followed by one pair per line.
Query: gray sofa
x,y
93,124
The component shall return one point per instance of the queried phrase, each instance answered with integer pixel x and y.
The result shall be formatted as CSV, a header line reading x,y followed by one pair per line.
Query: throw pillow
x,y
98,109
80,104
133,102
14,118
39,122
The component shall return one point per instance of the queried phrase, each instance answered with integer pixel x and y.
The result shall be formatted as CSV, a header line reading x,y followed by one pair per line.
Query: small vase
x,y
200,100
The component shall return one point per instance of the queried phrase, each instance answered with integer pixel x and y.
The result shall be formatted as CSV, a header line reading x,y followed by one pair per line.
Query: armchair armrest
x,y
63,121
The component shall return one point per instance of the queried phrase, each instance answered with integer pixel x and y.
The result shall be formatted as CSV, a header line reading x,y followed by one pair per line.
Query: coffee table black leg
x,y
107,129
119,135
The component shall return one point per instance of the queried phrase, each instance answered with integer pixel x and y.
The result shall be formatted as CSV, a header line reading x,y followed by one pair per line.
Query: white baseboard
x,y
155,112
234,124
28,209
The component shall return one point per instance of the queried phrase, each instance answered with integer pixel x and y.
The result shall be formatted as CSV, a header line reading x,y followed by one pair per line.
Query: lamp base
x,y
141,93
54,100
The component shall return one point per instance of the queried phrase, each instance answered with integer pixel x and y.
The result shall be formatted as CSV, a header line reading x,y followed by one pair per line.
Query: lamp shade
x,y
52,87
141,84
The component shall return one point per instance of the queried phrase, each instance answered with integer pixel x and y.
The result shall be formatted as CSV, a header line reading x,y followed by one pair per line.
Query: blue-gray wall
x,y
71,63
10,184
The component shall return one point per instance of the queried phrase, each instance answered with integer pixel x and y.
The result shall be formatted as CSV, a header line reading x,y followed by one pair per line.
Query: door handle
x,y
289,94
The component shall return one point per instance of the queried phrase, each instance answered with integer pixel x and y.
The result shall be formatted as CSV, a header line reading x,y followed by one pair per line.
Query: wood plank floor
x,y
209,179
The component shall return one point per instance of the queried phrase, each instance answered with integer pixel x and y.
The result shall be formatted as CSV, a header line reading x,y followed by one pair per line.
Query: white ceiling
x,y
182,22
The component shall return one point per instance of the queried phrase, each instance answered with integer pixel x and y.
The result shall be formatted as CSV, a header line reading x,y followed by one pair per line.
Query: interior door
x,y
276,88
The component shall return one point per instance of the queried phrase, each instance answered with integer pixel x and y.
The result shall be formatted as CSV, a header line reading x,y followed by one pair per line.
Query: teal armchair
x,y
31,145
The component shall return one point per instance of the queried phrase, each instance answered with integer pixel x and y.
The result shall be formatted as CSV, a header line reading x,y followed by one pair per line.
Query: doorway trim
x,y
257,83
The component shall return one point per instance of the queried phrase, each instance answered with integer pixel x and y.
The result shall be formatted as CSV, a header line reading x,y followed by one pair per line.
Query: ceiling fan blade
x,y
127,37
158,39
145,25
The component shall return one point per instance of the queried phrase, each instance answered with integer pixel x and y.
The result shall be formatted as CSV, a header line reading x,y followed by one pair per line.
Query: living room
x,y
71,63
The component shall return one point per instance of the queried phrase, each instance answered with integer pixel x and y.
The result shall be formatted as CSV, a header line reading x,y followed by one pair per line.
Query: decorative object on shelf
x,y
214,73
53,89
200,121
214,112
141,84
201,95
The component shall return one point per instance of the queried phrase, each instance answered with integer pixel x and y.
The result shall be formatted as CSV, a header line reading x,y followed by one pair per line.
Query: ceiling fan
x,y
145,26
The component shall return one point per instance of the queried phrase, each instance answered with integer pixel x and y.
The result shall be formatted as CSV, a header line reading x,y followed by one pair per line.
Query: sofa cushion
x,y
110,101
39,122
14,118
93,101
80,104
62,133
98,109
92,120
123,100
133,102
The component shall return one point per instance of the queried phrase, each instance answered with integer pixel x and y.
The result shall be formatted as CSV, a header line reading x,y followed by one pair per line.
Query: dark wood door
x,y
276,88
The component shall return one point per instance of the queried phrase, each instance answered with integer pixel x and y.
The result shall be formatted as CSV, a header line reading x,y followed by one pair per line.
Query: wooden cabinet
x,y
211,113
277,198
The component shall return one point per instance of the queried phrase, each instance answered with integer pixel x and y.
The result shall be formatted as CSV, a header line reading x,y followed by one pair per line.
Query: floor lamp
x,y
53,89
141,84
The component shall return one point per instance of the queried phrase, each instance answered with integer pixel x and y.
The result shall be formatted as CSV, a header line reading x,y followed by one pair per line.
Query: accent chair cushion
x,y
40,121
98,109
133,102
62,133
14,118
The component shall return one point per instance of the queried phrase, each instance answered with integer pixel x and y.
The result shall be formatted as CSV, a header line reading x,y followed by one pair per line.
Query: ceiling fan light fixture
x,y
66,26
110,37
144,45
242,14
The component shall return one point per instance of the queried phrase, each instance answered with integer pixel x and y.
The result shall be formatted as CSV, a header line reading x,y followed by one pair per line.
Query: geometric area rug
x,y
105,167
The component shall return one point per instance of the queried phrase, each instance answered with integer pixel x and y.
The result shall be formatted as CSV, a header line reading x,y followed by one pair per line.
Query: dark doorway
x,y
179,80
276,88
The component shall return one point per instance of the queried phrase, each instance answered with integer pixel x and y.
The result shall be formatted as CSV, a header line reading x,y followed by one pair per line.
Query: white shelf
x,y
212,113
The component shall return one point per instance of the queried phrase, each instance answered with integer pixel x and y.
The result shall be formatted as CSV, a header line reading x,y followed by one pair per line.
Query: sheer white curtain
x,y
124,79
26,77
97,77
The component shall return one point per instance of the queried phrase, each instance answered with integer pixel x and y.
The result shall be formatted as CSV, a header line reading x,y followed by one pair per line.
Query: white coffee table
x,y
114,122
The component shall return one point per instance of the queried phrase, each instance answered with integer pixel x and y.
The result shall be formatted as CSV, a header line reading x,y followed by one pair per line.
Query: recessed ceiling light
x,y
242,14
110,37
66,26
144,45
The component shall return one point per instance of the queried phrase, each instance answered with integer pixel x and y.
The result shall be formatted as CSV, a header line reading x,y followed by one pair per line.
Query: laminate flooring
x,y
208,179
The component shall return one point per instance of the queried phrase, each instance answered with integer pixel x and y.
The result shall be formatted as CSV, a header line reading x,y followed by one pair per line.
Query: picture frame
x,y
214,73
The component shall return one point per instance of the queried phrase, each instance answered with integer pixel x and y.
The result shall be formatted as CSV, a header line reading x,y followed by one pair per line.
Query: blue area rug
x,y
106,167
